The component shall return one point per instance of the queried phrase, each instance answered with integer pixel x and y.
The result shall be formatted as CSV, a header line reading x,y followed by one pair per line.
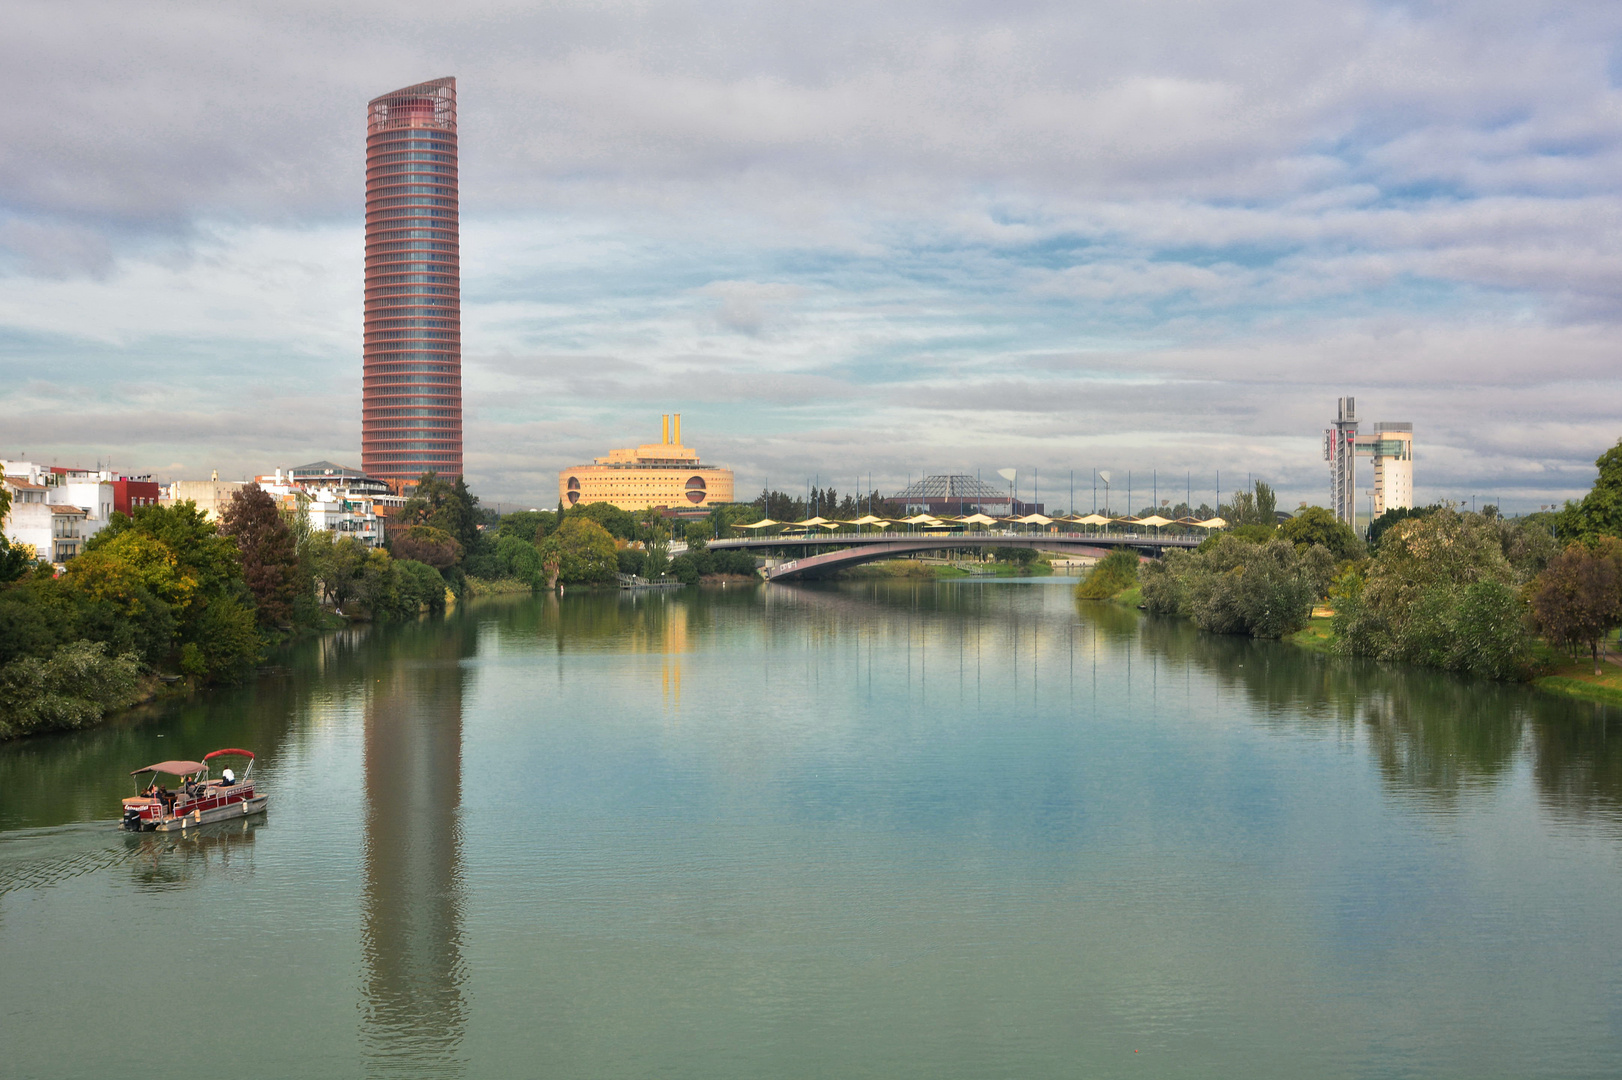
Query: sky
x,y
844,240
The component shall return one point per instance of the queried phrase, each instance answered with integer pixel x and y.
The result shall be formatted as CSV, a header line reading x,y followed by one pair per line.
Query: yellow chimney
x,y
665,439
678,429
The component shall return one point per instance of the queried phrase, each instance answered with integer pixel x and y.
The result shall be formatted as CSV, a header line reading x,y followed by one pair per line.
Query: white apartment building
x,y
56,510
334,508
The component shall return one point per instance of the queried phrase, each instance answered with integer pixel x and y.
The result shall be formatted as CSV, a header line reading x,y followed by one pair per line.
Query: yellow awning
x,y
761,524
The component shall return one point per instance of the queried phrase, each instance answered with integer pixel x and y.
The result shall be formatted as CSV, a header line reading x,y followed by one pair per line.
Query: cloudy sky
x,y
840,238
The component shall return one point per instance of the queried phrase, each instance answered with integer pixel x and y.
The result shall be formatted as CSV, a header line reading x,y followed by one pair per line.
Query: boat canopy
x,y
219,753
173,768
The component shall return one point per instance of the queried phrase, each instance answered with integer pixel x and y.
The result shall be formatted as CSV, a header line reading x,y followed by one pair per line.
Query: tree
x,y
1236,586
445,505
338,565
656,542
1600,512
620,524
586,551
270,566
531,526
1438,592
1315,525
1391,517
1577,601
427,544
519,559
1022,557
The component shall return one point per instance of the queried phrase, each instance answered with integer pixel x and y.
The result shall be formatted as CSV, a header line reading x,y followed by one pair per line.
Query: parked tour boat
x,y
197,799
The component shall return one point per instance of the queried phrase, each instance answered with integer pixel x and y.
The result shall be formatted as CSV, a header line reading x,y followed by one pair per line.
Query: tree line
x,y
1436,586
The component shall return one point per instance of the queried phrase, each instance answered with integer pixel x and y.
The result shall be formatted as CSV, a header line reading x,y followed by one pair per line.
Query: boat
x,y
198,799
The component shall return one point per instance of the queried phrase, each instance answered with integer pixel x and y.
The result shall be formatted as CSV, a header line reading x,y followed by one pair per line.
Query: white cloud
x,y
837,237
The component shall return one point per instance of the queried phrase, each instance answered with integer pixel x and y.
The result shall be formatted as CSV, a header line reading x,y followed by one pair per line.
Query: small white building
x,y
28,522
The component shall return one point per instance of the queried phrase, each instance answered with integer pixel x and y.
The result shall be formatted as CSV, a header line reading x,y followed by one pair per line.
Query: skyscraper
x,y
411,400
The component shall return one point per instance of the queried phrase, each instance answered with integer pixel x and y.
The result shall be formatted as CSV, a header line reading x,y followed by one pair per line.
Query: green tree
x,y
338,565
1420,601
1236,586
1577,601
447,505
1315,525
270,564
1391,517
519,559
620,524
656,544
1600,512
420,585
586,551
531,526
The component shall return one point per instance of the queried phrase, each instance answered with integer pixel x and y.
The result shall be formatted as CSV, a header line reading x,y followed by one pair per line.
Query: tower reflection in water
x,y
414,1010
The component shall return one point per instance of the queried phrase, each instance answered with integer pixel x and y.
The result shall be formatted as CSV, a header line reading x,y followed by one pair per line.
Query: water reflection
x,y
414,1008
164,861
1434,736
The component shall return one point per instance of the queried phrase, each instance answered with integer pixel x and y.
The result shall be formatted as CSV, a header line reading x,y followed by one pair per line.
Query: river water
x,y
964,829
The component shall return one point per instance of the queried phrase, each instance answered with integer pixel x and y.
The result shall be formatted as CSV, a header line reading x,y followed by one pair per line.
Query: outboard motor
x,y
132,818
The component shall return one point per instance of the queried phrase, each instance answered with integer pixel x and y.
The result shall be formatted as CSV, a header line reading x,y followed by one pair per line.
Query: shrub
x,y
1113,573
73,689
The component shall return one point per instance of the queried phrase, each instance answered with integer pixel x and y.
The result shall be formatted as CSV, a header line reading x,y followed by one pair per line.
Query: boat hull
x,y
225,812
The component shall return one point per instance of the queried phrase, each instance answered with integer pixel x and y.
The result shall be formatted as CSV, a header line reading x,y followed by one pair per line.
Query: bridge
x,y
854,549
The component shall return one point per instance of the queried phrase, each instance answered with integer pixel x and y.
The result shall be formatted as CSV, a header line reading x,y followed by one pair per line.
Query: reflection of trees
x,y
1578,761
414,1011
1433,733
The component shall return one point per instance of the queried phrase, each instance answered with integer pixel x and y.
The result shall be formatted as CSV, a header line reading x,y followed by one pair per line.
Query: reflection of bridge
x,y
855,548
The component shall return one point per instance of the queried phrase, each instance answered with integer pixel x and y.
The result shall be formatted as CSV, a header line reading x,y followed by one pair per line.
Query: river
x,y
867,829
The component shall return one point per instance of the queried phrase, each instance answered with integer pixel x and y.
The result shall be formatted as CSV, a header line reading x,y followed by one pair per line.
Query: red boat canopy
x,y
217,753
173,768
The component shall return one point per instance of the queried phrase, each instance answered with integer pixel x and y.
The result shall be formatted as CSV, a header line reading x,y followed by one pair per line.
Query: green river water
x,y
959,829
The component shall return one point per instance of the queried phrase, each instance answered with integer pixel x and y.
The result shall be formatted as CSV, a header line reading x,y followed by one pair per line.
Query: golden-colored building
x,y
656,474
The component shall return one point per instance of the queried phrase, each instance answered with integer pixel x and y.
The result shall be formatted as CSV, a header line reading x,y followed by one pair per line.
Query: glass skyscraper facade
x,y
411,401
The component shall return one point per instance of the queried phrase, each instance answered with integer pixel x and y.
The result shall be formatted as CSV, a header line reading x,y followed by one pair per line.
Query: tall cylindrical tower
x,y
411,400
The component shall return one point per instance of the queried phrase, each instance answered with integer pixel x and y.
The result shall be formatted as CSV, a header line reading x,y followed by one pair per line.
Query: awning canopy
x,y
1211,523
761,524
173,768
978,519
1035,519
868,519
1094,519
809,522
1155,520
920,519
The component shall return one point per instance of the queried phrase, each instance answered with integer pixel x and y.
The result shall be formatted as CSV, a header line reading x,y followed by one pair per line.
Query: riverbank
x,y
1554,672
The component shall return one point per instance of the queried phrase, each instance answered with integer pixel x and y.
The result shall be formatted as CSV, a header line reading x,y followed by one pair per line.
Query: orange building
x,y
664,474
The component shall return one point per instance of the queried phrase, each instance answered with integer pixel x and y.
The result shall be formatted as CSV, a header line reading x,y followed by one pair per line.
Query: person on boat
x,y
191,787
167,798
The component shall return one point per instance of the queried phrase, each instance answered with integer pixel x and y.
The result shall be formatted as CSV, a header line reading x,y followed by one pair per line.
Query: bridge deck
x,y
854,548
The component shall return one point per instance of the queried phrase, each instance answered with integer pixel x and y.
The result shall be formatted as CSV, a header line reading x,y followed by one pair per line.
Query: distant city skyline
x,y
913,241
